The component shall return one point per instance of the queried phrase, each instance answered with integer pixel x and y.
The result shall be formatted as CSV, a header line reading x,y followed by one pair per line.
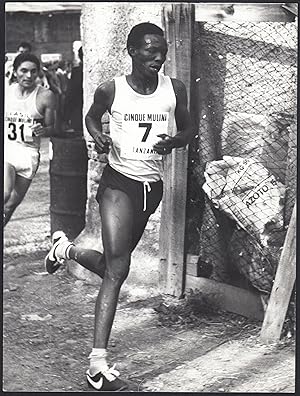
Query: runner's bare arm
x,y
103,99
183,123
46,105
182,116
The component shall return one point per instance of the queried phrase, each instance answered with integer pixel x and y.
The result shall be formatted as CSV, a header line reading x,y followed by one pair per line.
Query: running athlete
x,y
144,107
29,114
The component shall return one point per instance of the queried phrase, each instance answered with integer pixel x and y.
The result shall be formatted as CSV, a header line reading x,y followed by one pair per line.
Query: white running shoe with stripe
x,y
52,262
107,381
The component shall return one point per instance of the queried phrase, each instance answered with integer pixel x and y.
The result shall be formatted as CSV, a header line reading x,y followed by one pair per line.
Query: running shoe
x,y
52,263
107,381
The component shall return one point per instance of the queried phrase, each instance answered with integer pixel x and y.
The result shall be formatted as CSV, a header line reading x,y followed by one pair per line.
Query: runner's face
x,y
26,74
151,55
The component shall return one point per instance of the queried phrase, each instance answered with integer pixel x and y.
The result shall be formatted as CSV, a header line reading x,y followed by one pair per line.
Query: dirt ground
x,y
160,344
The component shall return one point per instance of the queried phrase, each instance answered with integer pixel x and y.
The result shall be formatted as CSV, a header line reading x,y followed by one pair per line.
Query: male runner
x,y
29,114
144,107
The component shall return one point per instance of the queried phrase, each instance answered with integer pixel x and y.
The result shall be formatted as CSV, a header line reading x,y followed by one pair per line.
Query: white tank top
x,y
19,115
135,122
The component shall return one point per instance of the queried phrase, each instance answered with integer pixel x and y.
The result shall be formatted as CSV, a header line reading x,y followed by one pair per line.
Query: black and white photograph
x,y
149,197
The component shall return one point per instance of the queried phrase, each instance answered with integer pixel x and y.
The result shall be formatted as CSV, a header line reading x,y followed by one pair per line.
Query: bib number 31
x,y
19,132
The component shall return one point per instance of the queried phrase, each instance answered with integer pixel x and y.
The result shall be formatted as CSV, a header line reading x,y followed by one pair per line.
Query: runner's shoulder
x,y
178,85
106,88
45,94
105,92
10,88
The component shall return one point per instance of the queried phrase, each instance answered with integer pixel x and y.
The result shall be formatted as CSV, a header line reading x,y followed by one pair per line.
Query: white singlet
x,y
135,122
19,115
21,149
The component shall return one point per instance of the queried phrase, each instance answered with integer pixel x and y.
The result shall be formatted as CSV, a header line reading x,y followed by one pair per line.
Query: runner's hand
x,y
165,145
103,143
37,129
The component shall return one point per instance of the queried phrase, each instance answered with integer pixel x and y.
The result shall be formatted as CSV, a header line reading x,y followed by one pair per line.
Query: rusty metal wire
x,y
244,101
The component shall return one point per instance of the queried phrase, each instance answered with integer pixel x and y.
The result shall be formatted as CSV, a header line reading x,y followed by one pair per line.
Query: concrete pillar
x,y
104,30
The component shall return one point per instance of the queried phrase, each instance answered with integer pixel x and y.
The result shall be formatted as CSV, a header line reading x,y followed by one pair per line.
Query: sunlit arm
x,y
94,116
183,123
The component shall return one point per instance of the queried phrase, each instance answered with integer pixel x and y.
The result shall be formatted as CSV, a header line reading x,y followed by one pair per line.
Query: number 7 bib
x,y
139,134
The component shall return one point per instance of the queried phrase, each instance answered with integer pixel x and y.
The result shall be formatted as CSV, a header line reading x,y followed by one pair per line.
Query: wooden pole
x,y
282,287
177,21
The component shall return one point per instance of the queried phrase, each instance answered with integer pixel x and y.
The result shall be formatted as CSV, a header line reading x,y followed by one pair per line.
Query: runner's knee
x,y
6,196
117,268
8,210
10,206
13,200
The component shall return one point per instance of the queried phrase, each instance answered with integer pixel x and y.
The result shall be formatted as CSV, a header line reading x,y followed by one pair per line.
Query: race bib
x,y
18,128
139,134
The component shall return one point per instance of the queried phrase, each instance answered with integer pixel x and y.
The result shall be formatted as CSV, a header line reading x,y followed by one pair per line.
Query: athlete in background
x,y
29,114
23,48
144,107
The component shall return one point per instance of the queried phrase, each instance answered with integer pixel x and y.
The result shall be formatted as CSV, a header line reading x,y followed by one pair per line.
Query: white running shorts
x,y
24,159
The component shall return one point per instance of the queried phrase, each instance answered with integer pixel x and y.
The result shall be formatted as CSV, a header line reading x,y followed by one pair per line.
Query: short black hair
x,y
24,44
138,32
26,57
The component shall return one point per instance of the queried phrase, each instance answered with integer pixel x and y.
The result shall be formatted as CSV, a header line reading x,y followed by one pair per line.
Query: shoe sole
x,y
53,264
54,267
124,387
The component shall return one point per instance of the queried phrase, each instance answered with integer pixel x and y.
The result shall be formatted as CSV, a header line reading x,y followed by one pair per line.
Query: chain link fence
x,y
242,169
